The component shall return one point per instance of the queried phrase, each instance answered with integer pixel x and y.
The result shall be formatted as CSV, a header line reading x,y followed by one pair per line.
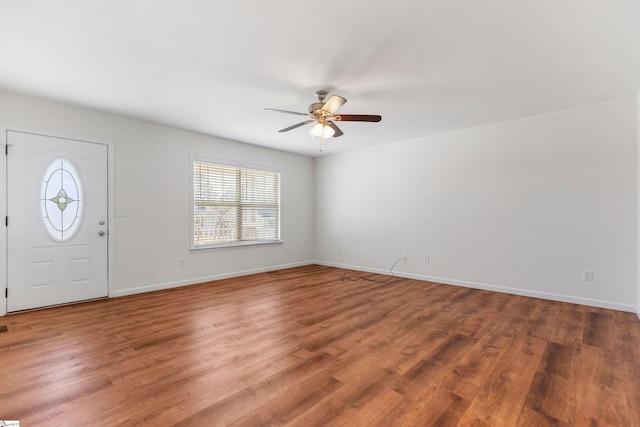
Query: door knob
x,y
101,233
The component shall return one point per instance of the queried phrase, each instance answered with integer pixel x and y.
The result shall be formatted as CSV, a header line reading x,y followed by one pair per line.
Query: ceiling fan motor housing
x,y
321,95
316,106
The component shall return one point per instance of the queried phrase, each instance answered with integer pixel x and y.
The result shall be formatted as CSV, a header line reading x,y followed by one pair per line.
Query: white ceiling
x,y
426,66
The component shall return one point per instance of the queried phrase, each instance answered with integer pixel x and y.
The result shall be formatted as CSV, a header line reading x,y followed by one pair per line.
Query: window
x,y
61,200
234,205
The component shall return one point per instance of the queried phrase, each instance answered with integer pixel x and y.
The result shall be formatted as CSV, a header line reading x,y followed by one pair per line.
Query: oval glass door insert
x,y
61,200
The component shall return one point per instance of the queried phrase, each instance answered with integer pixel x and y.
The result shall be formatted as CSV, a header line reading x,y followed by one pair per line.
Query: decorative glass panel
x,y
61,201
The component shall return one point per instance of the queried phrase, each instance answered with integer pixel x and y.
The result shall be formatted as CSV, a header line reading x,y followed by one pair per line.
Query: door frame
x,y
4,129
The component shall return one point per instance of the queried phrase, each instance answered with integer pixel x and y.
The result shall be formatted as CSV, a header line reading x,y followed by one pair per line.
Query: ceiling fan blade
x,y
297,125
332,105
357,118
287,111
336,129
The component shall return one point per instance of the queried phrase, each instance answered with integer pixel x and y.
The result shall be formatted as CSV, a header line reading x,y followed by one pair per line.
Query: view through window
x,y
234,205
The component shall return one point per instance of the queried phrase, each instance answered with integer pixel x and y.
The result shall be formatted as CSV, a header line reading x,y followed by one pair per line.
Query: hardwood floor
x,y
301,347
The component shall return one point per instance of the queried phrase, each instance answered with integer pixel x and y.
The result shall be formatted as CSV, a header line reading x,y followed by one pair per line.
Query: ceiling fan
x,y
324,115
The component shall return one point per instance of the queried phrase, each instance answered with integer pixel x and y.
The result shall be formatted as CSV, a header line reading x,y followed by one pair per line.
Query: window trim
x,y
235,164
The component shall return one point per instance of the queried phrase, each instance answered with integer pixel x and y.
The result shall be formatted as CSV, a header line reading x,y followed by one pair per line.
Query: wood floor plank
x,y
348,399
473,367
505,388
292,403
551,380
318,346
372,413
438,409
571,318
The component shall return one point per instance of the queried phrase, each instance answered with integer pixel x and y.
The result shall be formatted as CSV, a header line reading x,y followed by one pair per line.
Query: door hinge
x,y
6,150
6,292
6,221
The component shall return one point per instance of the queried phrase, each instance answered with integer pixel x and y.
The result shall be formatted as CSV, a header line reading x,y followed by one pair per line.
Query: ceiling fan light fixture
x,y
322,131
317,130
327,132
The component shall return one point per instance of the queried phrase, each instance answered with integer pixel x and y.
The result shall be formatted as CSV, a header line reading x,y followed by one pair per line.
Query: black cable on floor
x,y
369,279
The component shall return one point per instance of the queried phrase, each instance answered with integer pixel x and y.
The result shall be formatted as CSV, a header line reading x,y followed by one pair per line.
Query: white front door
x,y
57,235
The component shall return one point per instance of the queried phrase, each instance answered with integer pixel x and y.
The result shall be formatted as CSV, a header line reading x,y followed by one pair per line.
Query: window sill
x,y
236,244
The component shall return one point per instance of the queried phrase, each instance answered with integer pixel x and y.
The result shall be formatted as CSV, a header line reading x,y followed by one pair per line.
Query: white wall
x,y
152,177
522,206
638,173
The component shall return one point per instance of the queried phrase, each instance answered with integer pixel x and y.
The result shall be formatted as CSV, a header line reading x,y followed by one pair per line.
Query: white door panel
x,y
57,220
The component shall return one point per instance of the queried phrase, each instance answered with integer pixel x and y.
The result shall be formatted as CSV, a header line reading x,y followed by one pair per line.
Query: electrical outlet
x,y
285,250
123,211
426,259
182,262
338,250
404,257
587,276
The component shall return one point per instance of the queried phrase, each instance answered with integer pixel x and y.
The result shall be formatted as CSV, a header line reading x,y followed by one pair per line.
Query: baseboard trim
x,y
495,288
197,280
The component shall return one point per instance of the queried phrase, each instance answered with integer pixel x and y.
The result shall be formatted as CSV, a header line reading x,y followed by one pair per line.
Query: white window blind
x,y
234,205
